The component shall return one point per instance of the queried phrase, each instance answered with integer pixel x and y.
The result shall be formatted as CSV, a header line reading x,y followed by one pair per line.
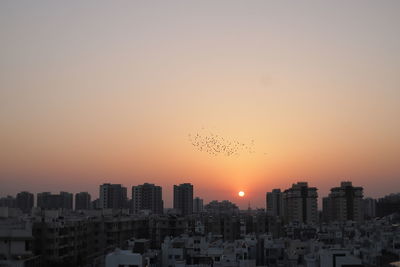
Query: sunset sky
x,y
94,92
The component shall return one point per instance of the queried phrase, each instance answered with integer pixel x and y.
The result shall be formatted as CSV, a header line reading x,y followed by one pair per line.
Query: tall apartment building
x,y
8,201
183,198
147,197
46,200
82,201
222,207
198,205
112,196
369,208
24,201
300,203
275,203
388,205
344,203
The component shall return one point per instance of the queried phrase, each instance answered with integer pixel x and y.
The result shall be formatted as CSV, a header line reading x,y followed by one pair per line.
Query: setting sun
x,y
241,194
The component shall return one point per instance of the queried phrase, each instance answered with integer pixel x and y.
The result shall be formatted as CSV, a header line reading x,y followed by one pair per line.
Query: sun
x,y
241,194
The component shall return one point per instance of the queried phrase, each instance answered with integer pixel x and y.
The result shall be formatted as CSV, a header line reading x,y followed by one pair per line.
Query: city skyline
x,y
103,92
238,200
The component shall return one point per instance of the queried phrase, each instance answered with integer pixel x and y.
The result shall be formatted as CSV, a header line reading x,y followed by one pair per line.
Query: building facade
x,y
49,201
198,205
275,202
344,203
82,201
300,204
147,197
183,198
24,201
112,196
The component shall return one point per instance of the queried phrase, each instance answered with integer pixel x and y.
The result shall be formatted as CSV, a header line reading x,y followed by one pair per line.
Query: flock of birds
x,y
215,145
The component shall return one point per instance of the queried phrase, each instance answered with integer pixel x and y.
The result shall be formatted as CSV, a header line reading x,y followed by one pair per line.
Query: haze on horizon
x,y
95,92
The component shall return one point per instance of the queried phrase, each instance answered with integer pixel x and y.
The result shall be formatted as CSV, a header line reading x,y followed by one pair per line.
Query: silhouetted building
x,y
24,201
300,204
95,204
113,196
221,207
82,201
183,198
8,201
326,209
388,205
369,208
197,205
49,201
147,197
344,203
275,203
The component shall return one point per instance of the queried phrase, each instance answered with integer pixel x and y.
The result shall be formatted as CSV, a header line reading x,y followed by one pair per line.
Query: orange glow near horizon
x,y
109,93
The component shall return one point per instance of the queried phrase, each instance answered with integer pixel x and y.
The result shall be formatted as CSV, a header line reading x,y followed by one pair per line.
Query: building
x,y
8,202
369,208
147,197
275,202
183,198
24,201
112,196
388,205
344,203
338,258
69,240
120,258
95,204
82,201
221,207
16,248
197,205
49,201
300,204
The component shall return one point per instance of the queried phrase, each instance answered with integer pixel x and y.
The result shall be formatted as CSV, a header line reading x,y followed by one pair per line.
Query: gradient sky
x,y
94,92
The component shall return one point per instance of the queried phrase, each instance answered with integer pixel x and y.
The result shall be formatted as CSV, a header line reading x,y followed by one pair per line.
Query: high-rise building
x,y
95,204
113,196
275,202
46,200
197,205
66,200
147,197
24,201
388,205
369,208
326,208
344,203
8,201
221,207
82,201
183,198
300,204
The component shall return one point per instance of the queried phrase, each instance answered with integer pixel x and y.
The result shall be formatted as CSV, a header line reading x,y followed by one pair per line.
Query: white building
x,y
123,258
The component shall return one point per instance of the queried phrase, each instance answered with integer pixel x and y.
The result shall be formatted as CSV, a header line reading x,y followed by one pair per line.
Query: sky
x,y
104,91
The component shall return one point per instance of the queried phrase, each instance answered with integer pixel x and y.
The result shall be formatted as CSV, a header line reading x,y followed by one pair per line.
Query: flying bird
x,y
216,145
